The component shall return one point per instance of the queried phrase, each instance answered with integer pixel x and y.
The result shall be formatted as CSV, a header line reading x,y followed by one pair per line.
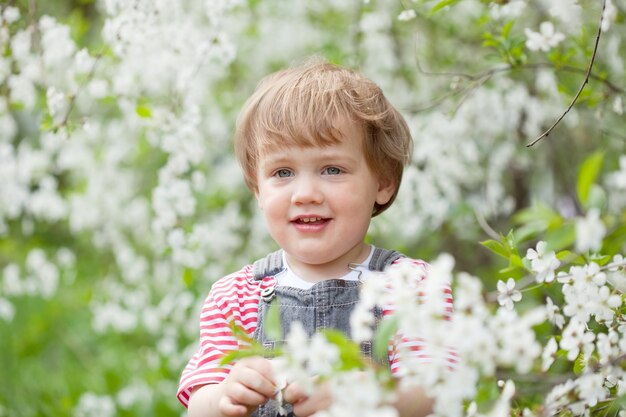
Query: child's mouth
x,y
310,220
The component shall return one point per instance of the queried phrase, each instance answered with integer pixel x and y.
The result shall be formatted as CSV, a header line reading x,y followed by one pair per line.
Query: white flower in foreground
x,y
544,40
552,310
507,294
361,322
589,232
559,397
358,394
502,408
576,337
549,354
616,275
591,388
298,342
323,355
542,263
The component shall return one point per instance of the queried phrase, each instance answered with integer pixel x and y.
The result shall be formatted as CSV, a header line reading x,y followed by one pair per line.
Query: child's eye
x,y
332,171
283,173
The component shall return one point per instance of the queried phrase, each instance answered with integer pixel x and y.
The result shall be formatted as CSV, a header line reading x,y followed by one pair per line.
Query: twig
x,y
614,88
485,226
72,101
526,282
593,58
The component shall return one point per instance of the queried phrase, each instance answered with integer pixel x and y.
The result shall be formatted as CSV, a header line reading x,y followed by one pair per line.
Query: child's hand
x,y
248,385
306,405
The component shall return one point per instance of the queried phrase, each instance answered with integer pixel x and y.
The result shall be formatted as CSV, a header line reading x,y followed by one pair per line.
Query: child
x,y
323,151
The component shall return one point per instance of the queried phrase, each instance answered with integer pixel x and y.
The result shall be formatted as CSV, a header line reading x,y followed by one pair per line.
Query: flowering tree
x,y
120,201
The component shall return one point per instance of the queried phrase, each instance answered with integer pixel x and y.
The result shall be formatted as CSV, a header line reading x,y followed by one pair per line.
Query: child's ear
x,y
386,189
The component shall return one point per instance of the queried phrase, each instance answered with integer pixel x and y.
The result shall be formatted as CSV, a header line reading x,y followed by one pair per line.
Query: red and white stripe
x,y
235,299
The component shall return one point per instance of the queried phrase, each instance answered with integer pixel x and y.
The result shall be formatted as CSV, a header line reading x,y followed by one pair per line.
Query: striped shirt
x,y
234,301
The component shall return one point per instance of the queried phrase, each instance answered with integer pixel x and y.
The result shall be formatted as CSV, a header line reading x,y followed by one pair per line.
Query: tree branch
x,y
593,58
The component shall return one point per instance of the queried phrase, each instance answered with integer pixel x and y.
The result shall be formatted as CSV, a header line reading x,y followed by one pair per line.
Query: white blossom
x,y
361,321
591,388
542,263
590,231
322,355
407,15
549,354
618,106
554,316
93,405
358,394
609,16
544,40
11,14
567,11
7,310
511,9
575,336
507,294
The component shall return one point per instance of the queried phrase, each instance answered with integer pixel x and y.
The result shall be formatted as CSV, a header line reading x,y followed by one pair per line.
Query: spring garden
x,y
121,202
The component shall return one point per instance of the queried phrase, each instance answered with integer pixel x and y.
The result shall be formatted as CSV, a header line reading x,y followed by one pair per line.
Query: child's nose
x,y
306,191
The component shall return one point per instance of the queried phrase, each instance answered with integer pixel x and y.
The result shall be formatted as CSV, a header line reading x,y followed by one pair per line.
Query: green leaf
x,y
442,4
235,355
570,257
255,350
47,122
143,111
506,29
271,324
540,216
601,259
621,401
512,272
240,333
187,277
579,364
588,174
496,247
516,261
384,333
561,238
596,198
511,241
487,391
349,351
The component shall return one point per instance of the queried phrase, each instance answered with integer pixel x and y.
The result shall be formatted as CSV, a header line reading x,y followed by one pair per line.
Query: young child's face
x,y
318,201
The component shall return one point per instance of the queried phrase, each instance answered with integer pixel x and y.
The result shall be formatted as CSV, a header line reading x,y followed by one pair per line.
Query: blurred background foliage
x,y
120,318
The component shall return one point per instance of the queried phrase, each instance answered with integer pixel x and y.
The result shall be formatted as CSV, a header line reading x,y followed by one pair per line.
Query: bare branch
x,y
485,226
593,58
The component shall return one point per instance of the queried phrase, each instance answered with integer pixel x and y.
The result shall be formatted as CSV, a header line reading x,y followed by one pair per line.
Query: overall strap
x,y
382,258
272,264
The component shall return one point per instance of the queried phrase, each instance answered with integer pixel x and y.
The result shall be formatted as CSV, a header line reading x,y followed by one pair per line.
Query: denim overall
x,y
326,305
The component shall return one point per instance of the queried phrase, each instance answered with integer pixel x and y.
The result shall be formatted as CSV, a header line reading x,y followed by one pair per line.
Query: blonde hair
x,y
302,106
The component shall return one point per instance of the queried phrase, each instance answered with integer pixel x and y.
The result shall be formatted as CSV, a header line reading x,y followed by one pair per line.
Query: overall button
x,y
268,294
